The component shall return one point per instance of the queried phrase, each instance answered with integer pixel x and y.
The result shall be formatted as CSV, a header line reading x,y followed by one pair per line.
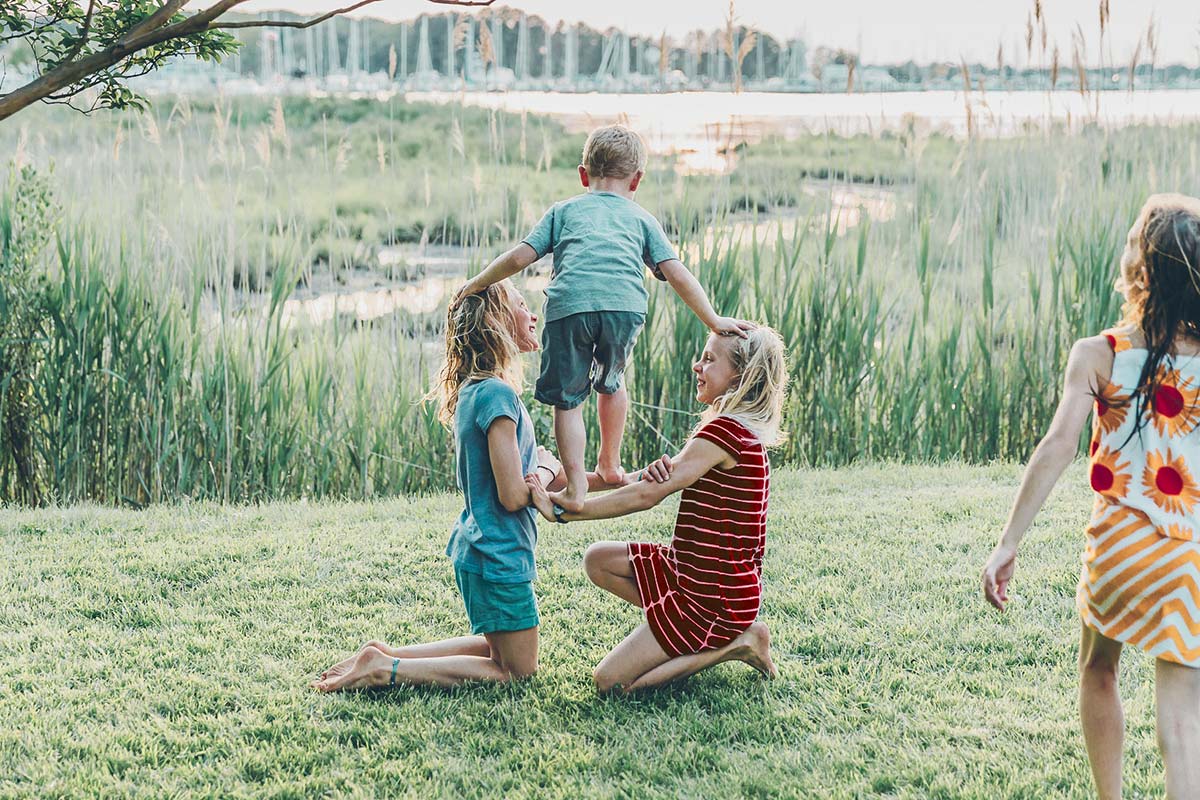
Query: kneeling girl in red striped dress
x,y
701,592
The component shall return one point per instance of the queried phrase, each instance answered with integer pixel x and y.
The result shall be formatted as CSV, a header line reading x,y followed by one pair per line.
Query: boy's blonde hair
x,y
756,398
614,151
479,344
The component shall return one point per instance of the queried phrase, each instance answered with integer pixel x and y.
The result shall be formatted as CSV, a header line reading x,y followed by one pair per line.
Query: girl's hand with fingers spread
x,y
997,573
658,470
540,499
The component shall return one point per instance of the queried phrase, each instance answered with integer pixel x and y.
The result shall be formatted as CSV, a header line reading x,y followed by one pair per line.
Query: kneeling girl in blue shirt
x,y
492,541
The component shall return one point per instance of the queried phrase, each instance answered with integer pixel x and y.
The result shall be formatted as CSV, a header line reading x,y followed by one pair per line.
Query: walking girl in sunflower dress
x,y
1140,583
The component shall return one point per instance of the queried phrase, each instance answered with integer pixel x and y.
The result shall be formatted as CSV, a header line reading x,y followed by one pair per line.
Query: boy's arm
x,y
692,293
503,266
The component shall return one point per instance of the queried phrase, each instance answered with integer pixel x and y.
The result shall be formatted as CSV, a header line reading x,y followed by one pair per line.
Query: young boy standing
x,y
596,300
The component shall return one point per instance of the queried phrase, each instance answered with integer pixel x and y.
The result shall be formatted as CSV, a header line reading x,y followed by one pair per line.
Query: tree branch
x,y
83,34
155,20
153,30
278,23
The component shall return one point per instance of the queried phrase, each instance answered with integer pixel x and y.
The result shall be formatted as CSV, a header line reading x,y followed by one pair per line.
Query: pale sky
x,y
884,31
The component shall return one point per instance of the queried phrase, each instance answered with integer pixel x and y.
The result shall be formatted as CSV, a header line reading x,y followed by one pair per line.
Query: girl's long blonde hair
x,y
479,344
757,396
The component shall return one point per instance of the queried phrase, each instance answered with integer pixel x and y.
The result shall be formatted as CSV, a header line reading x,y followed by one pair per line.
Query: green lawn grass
x,y
167,652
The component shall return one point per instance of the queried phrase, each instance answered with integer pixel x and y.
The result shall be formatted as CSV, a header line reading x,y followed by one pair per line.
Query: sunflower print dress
x,y
1140,583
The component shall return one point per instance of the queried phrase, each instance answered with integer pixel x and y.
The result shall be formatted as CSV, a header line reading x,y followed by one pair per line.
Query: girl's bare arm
x,y
505,457
1090,360
697,457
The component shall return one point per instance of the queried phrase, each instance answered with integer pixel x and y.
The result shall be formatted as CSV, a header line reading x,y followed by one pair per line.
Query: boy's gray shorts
x,y
585,351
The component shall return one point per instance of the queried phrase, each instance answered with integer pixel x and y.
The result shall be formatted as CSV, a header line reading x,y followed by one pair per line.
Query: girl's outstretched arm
x,y
697,457
1089,362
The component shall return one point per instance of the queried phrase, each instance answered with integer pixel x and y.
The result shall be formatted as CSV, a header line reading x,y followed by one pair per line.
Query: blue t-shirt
x,y
487,539
602,243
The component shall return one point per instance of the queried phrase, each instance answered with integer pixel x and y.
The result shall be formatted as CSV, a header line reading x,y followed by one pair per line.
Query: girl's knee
x,y
605,680
593,560
1178,733
522,672
517,669
1098,670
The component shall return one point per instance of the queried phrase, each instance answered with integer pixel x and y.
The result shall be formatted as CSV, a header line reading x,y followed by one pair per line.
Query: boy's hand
x,y
658,470
466,290
538,497
728,326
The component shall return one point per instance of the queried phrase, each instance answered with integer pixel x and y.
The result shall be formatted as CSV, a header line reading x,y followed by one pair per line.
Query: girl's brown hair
x,y
479,344
1161,281
757,395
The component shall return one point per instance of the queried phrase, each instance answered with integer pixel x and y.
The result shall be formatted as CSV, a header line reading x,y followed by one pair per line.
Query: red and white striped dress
x,y
704,588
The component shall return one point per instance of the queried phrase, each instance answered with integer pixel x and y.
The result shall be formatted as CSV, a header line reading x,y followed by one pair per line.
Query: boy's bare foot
x,y
611,475
370,667
568,500
754,648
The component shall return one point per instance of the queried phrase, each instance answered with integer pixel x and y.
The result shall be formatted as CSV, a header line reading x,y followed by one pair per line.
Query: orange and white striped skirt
x,y
1141,587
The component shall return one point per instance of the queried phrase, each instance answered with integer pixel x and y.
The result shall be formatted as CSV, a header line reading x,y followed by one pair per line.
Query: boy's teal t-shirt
x,y
487,539
602,243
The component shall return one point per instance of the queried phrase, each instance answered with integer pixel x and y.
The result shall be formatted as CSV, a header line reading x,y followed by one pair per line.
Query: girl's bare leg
x,y
1100,710
458,646
1177,698
752,647
639,662
607,565
513,654
639,653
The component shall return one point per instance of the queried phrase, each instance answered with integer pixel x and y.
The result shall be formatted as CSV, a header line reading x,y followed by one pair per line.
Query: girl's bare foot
x,y
754,648
341,667
370,667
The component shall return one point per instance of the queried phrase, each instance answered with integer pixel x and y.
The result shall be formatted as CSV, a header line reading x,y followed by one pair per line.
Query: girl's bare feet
x,y
370,667
754,648
341,667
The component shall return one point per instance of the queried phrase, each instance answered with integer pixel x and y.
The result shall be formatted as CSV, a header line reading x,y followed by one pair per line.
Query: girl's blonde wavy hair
x,y
479,344
756,398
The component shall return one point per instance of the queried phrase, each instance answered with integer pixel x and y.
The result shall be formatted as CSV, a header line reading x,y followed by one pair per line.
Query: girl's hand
x,y
538,497
658,470
997,572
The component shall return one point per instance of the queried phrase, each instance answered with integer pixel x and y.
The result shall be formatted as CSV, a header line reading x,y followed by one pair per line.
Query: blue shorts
x,y
585,351
496,607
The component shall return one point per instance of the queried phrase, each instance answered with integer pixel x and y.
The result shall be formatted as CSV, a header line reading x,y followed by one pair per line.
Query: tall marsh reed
x,y
928,289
